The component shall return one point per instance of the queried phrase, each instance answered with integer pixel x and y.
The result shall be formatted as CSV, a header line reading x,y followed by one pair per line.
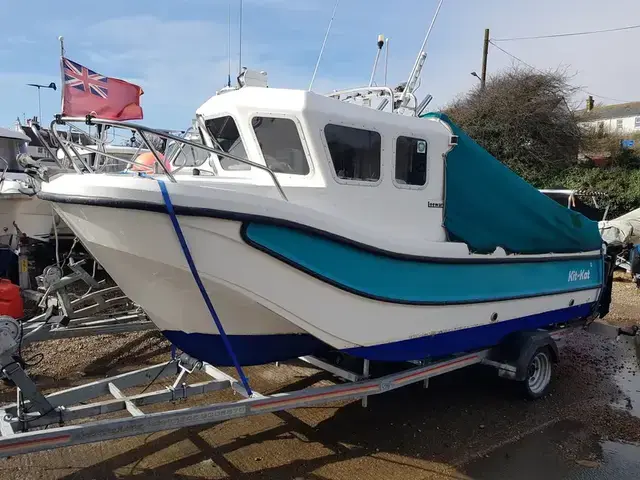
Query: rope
x,y
196,277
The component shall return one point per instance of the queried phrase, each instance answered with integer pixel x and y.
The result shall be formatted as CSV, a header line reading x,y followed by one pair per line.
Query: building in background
x,y
623,118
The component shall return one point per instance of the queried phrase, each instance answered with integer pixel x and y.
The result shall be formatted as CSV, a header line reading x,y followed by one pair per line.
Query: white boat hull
x,y
32,216
271,310
25,213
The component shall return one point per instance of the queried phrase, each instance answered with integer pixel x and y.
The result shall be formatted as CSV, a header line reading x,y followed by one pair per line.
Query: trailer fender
x,y
517,350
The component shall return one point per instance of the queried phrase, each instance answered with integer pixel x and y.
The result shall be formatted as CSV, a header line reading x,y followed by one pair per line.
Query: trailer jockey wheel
x,y
538,374
9,338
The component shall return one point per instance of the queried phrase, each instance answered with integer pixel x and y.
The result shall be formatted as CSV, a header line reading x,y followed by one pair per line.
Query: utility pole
x,y
485,52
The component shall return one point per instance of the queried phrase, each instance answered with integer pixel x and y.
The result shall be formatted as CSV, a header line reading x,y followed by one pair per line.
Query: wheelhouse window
x,y
411,161
355,152
280,145
225,133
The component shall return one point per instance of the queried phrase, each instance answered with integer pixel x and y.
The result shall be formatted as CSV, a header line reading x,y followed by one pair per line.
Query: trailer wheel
x,y
538,374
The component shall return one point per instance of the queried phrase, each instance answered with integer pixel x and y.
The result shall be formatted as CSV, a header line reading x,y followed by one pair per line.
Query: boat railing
x,y
4,170
99,149
386,93
70,151
35,129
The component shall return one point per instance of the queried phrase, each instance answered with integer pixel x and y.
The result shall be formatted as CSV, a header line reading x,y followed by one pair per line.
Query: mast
x,y
61,40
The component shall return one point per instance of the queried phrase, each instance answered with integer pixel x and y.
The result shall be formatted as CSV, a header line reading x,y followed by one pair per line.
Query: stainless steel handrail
x,y
174,157
92,149
386,90
141,129
104,153
36,132
99,142
63,146
4,172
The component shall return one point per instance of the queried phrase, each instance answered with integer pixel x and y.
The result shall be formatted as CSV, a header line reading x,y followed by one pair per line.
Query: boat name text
x,y
575,275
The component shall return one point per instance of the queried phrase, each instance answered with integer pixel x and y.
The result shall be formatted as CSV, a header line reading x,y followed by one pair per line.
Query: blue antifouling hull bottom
x,y
260,349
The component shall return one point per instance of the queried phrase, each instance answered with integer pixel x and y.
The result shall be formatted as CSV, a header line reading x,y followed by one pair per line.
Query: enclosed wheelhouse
x,y
374,167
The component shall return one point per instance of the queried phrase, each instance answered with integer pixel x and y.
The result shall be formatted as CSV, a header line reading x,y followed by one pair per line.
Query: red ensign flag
x,y
86,92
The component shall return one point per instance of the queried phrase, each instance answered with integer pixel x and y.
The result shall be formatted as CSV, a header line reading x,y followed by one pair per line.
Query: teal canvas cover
x,y
487,206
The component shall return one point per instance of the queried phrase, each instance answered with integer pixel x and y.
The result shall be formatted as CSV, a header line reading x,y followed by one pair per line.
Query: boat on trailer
x,y
20,210
318,224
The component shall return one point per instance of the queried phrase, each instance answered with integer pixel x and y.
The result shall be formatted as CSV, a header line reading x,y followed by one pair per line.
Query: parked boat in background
x,y
21,212
593,205
624,229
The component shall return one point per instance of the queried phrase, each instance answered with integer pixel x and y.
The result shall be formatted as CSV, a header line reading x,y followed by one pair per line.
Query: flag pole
x,y
61,40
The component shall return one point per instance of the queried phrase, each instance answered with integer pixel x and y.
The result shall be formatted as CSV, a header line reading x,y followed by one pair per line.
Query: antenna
x,y
417,66
229,46
52,86
375,62
386,61
240,57
324,42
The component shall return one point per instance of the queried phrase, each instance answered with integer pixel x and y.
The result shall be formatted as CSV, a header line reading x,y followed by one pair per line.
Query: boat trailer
x,y
38,422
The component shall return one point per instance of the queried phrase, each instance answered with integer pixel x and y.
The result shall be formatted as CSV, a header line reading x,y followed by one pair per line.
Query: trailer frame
x,y
24,424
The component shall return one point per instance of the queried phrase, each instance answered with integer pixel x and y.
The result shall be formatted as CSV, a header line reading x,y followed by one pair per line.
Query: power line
x,y
540,71
514,57
573,34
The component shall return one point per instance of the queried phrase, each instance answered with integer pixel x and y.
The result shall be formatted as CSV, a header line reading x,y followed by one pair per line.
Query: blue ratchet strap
x,y
196,277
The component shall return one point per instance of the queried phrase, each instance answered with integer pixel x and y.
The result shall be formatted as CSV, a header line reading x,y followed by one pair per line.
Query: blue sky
x,y
177,50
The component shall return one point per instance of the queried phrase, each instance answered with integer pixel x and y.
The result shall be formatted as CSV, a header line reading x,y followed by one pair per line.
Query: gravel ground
x,y
453,430
626,301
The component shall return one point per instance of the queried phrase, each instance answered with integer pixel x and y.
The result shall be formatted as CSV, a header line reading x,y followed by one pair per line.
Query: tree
x,y
522,118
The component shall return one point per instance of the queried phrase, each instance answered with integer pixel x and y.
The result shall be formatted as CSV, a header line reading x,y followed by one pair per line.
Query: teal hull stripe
x,y
404,281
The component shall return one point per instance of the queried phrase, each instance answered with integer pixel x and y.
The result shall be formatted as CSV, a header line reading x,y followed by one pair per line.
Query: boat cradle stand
x,y
37,422
101,310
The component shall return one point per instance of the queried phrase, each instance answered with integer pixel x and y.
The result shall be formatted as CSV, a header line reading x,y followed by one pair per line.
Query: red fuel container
x,y
11,302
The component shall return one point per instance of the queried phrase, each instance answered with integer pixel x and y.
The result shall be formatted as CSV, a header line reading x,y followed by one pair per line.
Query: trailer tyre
x,y
539,371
